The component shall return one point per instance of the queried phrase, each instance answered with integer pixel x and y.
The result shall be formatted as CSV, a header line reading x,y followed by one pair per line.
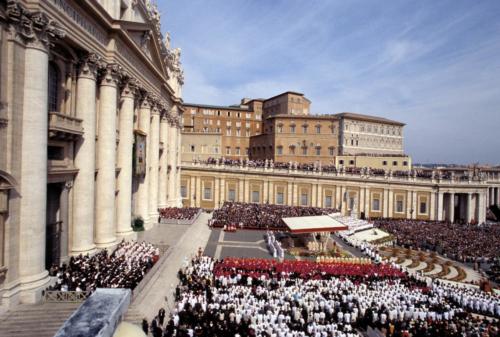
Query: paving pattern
x,y
242,243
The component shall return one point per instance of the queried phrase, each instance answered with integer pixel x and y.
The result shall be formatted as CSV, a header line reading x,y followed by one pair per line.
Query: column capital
x,y
88,66
34,29
111,75
129,88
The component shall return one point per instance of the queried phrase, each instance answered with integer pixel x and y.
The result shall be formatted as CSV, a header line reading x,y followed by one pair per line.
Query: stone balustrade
x,y
64,127
363,174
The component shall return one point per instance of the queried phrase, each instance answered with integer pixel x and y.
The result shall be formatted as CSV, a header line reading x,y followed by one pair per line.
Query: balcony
x,y
64,127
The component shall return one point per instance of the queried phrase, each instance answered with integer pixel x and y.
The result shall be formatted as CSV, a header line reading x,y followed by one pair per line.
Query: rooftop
x,y
353,115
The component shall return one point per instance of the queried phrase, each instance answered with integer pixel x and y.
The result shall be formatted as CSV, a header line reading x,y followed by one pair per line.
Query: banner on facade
x,y
140,154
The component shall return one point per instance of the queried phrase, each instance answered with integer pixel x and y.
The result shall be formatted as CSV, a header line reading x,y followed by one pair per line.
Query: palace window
x,y
394,163
423,207
256,196
183,192
231,195
228,150
304,129
292,149
280,198
304,151
207,193
318,151
292,128
405,163
280,129
376,205
53,87
228,132
238,132
399,206
304,199
328,201
384,163
331,151
238,151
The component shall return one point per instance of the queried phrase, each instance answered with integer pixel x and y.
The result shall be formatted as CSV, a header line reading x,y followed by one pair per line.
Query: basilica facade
x,y
90,96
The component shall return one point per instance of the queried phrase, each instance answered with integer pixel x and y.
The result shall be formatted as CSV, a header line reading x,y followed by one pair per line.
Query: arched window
x,y
53,86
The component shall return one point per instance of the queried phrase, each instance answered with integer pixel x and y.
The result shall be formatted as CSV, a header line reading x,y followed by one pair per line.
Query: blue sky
x,y
434,65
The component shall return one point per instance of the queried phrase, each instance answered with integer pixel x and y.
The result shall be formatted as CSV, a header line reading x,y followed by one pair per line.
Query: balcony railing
x,y
65,296
64,127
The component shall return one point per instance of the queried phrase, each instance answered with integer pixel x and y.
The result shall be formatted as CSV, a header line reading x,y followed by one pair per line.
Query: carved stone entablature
x,y
35,29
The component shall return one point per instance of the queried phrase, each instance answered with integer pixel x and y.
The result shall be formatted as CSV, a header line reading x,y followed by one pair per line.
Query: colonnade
x,y
493,196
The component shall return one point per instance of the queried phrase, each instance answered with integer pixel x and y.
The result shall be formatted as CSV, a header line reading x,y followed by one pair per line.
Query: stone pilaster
x,y
124,160
82,235
142,196
153,153
105,229
440,202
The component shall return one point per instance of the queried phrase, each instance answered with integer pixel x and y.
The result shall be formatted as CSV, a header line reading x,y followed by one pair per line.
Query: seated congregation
x,y
124,268
462,242
260,216
253,297
176,213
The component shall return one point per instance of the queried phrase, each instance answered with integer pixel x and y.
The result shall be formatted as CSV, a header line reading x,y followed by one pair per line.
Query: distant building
x,y
282,129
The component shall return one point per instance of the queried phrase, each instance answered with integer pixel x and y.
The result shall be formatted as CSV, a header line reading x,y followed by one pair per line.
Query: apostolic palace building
x,y
91,113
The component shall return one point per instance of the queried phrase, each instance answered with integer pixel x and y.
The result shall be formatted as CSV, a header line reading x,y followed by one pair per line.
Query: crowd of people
x,y
462,242
124,268
260,216
226,298
177,213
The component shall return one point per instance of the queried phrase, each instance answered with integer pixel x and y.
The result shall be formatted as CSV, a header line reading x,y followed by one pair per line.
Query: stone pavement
x,y
183,241
242,243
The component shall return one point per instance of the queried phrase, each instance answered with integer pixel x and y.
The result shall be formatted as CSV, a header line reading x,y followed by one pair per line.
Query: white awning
x,y
313,224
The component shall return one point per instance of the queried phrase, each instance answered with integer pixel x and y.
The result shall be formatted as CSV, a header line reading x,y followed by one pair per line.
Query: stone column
x,y
178,198
451,208
497,199
32,148
367,202
408,205
222,190
391,204
482,208
468,208
82,234
142,195
33,175
105,229
385,210
163,174
414,205
154,156
171,165
432,206
440,202
338,197
216,192
198,191
124,160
